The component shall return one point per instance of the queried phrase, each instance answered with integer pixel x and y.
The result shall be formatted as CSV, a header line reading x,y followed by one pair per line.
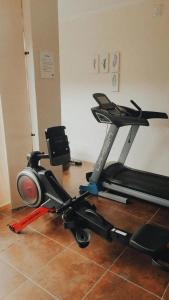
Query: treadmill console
x,y
110,113
103,101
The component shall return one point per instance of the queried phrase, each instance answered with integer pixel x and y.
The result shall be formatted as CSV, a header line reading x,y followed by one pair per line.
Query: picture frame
x,y
115,82
115,62
95,64
104,63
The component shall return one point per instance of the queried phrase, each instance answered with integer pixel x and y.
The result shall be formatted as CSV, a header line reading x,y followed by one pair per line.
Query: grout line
x,y
68,247
93,286
162,298
34,283
153,215
118,208
63,246
52,259
71,244
87,258
123,251
2,206
6,215
39,270
135,284
53,240
43,267
20,209
106,271
50,239
29,278
117,258
118,275
133,215
3,214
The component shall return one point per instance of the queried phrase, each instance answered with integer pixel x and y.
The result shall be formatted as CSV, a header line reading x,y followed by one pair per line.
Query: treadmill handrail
x,y
122,115
154,115
123,119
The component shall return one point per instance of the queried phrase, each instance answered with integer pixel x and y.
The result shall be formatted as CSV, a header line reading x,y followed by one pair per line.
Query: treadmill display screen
x,y
103,101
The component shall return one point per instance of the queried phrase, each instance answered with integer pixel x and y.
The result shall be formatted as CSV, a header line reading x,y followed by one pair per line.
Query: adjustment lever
x,y
137,106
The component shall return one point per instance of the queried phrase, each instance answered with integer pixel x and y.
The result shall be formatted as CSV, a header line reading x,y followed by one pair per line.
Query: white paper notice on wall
x,y
47,65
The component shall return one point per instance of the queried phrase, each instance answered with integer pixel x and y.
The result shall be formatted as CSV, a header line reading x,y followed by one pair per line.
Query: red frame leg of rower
x,y
37,213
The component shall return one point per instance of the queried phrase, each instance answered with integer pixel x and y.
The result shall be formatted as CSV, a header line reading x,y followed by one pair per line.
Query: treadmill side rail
x,y
137,194
113,197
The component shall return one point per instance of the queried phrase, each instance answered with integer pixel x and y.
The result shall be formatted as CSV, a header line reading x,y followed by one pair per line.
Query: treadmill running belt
x,y
149,183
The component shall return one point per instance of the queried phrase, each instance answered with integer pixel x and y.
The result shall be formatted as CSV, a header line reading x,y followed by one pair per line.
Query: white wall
x,y
144,46
45,37
4,174
15,125
44,23
14,113
41,34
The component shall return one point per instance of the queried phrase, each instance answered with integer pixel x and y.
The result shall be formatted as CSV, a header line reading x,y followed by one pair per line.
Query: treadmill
x,y
117,181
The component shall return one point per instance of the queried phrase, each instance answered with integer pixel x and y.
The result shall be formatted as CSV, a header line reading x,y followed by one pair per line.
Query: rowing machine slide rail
x,y
81,217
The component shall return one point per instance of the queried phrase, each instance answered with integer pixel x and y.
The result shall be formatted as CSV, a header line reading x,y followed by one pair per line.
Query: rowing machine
x,y
39,188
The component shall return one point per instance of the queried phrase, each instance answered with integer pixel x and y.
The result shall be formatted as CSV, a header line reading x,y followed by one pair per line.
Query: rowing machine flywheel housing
x,y
29,187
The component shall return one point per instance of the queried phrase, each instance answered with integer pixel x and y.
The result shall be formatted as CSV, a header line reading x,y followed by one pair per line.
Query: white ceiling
x,y
75,8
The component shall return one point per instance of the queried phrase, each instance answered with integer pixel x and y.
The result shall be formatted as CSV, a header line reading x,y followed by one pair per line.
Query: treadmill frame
x,y
122,191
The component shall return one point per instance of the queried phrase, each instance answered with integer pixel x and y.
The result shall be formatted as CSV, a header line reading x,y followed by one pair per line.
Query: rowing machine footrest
x,y
150,239
161,260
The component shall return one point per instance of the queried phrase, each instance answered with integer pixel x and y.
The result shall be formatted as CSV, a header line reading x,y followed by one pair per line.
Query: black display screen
x,y
103,101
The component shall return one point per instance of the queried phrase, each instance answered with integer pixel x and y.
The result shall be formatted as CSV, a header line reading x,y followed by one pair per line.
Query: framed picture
x,y
95,64
104,63
115,82
115,62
